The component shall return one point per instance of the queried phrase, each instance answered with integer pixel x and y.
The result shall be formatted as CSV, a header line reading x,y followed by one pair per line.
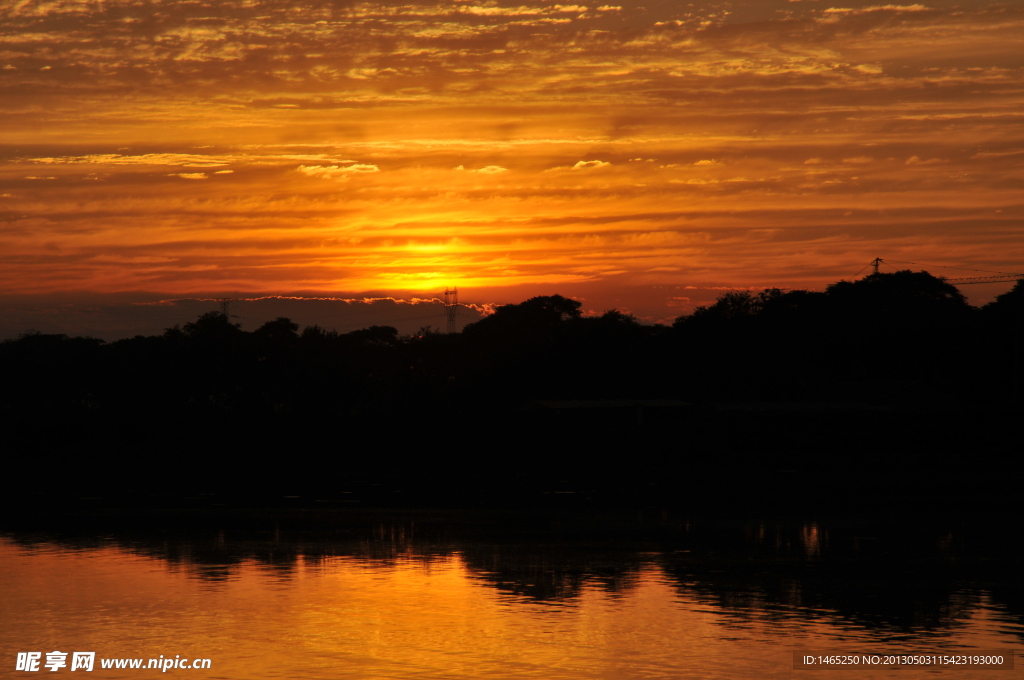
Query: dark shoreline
x,y
778,456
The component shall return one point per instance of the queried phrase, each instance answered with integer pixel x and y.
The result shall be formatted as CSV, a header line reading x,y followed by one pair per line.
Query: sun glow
x,y
381,148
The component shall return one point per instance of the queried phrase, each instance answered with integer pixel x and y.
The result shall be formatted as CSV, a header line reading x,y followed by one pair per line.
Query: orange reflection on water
x,y
348,617
354,617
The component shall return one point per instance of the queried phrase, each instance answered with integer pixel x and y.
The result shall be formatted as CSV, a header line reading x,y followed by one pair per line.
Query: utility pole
x,y
875,262
451,307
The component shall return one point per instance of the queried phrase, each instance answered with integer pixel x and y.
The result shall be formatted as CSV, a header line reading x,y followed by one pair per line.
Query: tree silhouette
x,y
211,325
532,317
374,335
1004,341
197,387
900,292
282,331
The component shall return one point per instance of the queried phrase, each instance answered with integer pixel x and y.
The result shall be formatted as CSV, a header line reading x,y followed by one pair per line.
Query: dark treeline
x,y
282,401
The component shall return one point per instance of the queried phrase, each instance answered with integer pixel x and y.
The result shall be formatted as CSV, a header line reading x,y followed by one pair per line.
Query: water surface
x,y
705,599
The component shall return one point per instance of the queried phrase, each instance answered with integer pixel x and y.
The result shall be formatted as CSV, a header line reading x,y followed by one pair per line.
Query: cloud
x,y
182,159
187,160
914,160
996,154
336,172
708,162
877,8
286,95
486,170
188,175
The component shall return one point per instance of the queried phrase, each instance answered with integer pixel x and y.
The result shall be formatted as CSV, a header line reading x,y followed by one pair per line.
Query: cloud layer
x,y
192,148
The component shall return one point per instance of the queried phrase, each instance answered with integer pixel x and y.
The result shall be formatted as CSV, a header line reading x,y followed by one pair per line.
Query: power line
x,y
984,279
949,266
1001,277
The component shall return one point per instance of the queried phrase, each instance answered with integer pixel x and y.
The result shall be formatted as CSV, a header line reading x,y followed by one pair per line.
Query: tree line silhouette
x,y
770,345
209,385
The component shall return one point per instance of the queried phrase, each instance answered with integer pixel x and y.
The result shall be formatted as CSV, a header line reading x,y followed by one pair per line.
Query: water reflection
x,y
394,597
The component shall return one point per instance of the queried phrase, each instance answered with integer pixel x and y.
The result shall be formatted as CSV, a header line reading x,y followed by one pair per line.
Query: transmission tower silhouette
x,y
225,306
451,307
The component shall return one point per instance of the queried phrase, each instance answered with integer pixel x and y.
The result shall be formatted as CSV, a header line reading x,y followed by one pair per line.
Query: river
x,y
443,596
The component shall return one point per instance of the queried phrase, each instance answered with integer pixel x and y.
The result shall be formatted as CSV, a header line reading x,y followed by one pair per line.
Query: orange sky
x,y
643,156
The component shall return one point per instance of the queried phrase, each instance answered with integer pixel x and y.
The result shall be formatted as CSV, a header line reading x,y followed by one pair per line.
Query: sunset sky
x,y
643,155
